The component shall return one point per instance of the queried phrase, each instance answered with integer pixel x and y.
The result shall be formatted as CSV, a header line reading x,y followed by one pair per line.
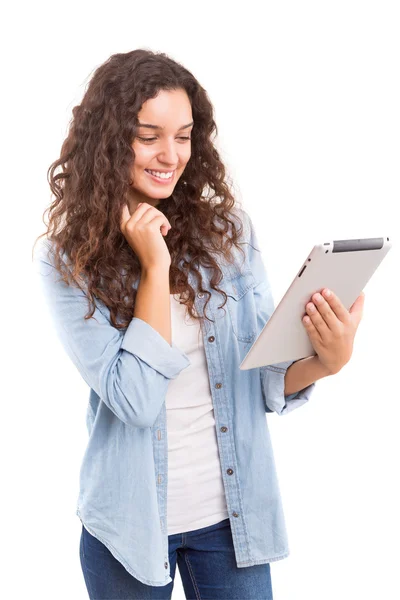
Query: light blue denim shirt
x,y
124,473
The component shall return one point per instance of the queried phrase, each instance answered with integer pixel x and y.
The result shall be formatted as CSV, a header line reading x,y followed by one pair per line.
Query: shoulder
x,y
243,218
44,251
44,263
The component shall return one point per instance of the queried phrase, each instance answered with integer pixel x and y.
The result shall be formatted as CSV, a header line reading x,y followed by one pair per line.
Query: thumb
x,y
357,307
125,216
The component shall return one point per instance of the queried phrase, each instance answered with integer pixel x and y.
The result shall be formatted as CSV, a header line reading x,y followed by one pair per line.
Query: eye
x,y
142,139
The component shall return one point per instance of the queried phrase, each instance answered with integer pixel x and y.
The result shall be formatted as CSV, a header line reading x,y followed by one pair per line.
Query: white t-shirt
x,y
196,496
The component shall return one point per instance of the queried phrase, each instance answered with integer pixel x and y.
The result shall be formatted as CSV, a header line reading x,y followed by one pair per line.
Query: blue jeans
x,y
206,562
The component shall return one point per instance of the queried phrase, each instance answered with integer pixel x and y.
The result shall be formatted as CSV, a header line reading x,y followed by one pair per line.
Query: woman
x,y
149,242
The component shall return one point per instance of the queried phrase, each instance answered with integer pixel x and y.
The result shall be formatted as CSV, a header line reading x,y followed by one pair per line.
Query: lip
x,y
163,170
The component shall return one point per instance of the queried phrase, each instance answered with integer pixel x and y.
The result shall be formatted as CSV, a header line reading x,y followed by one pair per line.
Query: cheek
x,y
185,156
143,156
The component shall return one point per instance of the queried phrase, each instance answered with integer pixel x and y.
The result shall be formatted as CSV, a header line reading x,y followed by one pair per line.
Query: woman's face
x,y
164,147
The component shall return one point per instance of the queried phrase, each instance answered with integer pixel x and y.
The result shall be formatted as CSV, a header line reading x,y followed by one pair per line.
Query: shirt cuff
x,y
142,340
273,384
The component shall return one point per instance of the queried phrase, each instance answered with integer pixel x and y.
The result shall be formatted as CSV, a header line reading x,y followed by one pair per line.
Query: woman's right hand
x,y
144,231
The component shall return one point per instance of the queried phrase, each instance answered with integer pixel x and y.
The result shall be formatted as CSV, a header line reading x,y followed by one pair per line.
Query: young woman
x,y
157,290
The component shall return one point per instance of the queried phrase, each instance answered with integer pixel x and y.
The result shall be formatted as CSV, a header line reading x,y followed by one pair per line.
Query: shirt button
x,y
200,295
211,338
224,429
218,385
229,471
166,565
235,514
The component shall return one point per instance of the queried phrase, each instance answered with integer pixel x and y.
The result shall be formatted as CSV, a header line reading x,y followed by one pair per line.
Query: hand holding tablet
x,y
342,266
331,328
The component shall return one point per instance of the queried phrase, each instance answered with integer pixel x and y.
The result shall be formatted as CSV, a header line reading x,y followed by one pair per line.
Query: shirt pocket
x,y
241,305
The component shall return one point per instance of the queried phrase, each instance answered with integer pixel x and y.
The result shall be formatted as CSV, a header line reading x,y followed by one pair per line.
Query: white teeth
x,y
161,175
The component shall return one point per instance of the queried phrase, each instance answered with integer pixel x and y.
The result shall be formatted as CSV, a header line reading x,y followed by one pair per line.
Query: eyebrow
x,y
158,126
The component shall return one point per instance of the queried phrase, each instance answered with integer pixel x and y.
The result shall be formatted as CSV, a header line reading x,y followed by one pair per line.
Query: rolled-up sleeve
x,y
272,376
129,371
273,385
143,341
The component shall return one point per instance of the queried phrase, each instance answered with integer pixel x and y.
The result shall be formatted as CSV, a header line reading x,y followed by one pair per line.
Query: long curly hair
x,y
93,184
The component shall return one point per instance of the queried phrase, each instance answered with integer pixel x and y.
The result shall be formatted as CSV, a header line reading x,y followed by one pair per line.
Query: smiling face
x,y
162,146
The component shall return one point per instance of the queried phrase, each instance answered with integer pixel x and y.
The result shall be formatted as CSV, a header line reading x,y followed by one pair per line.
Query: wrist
x,y
322,369
155,270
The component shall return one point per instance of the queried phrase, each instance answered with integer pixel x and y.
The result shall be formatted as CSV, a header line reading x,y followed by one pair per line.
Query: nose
x,y
168,153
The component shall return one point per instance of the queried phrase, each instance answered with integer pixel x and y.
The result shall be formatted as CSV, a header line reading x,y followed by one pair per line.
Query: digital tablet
x,y
343,266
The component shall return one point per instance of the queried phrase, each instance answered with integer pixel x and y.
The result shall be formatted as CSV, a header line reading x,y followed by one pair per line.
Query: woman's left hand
x,y
332,328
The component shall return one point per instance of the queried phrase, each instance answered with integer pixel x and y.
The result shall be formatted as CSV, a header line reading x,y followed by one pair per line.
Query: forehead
x,y
168,108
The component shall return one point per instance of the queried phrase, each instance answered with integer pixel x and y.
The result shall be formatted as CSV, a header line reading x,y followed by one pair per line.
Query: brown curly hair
x,y
93,184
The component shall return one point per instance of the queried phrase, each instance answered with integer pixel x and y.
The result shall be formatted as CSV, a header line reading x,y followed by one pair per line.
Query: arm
x,y
304,373
129,371
152,303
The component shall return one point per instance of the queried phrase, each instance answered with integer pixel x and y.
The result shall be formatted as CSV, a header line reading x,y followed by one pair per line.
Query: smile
x,y
160,175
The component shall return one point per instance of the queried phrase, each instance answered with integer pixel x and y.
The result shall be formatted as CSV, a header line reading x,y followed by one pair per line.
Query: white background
x,y
306,98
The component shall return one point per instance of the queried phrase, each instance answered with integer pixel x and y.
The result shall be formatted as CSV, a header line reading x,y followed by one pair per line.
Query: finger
x,y
158,221
143,213
326,312
336,305
317,320
312,331
153,213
